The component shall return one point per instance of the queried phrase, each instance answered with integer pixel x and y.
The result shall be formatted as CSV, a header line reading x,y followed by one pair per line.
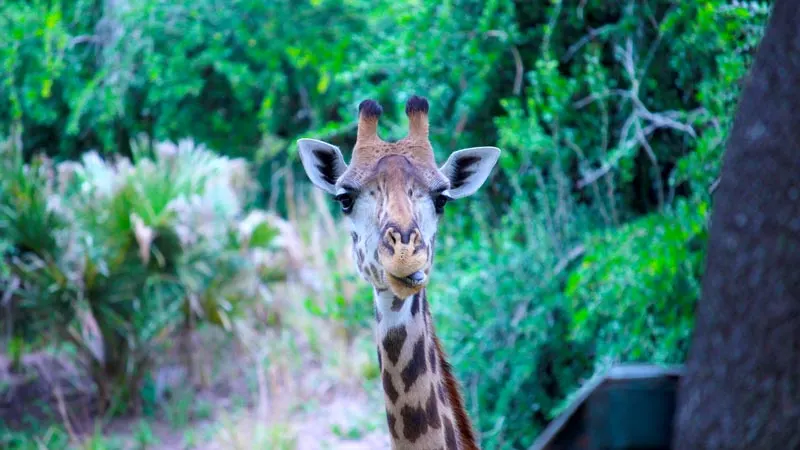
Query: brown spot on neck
x,y
415,422
450,435
416,365
420,389
391,420
415,304
388,387
397,303
393,343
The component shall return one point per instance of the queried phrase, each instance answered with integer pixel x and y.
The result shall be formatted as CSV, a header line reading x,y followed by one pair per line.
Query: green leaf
x,y
262,235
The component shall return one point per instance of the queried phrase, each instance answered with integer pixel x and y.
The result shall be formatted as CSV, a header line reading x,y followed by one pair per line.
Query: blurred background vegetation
x,y
152,201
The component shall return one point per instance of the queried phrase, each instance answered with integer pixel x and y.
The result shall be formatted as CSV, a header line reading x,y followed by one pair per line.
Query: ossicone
x,y
417,112
416,104
369,109
368,113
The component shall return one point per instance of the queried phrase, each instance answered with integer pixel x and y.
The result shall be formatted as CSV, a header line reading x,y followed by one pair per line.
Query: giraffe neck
x,y
424,408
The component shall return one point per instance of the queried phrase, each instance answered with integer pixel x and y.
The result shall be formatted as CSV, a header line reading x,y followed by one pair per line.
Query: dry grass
x,y
307,382
311,377
248,432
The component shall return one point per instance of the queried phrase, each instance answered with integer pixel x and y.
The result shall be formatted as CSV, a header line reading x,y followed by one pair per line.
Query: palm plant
x,y
126,252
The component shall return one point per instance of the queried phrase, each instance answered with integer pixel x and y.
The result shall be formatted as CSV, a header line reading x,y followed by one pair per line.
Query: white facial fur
x,y
465,169
364,222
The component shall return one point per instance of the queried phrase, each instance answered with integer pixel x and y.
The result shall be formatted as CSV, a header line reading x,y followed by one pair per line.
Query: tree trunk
x,y
742,385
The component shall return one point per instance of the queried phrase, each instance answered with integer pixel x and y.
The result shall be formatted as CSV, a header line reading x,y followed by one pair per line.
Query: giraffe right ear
x,y
323,162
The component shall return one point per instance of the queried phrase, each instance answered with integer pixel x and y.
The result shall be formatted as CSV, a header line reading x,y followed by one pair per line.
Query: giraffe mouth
x,y
414,280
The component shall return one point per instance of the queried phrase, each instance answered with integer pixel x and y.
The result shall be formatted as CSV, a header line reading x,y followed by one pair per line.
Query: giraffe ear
x,y
323,163
468,169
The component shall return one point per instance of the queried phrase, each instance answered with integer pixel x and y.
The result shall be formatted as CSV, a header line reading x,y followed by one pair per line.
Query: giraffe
x,y
393,195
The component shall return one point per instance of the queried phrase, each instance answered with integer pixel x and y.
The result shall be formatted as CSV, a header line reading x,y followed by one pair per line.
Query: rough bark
x,y
742,386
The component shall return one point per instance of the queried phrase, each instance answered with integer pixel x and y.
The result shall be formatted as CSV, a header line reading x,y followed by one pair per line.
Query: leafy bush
x,y
248,78
619,290
608,163
497,299
114,255
93,75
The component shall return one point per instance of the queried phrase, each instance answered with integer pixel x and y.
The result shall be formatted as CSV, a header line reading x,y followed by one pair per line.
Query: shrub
x,y
505,321
113,256
619,291
608,161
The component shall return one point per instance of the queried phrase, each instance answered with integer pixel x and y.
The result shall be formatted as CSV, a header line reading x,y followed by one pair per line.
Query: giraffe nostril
x,y
395,237
391,236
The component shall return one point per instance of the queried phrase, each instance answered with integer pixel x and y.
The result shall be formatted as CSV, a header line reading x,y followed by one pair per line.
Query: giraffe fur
x,y
393,196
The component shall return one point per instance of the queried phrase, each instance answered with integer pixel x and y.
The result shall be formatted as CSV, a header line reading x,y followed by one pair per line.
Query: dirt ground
x,y
301,400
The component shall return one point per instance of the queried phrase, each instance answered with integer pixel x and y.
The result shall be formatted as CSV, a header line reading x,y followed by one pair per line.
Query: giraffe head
x,y
393,194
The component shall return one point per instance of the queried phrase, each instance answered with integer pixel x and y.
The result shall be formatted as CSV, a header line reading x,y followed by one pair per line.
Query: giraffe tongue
x,y
416,278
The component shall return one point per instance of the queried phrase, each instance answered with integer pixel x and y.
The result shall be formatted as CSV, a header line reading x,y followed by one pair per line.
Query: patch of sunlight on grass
x,y
247,433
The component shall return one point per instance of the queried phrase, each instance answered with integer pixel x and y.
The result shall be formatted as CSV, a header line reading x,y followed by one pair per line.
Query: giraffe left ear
x,y
323,162
468,169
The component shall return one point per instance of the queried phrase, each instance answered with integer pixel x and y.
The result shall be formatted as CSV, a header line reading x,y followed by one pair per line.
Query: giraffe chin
x,y
407,286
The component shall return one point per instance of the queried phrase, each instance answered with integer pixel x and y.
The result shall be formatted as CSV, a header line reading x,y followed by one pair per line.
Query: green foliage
x,y
608,160
112,256
497,298
144,436
248,78
44,72
620,291
88,75
51,438
727,34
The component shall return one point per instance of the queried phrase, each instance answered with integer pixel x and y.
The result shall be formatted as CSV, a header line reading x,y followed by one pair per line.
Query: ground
x,y
307,383
306,402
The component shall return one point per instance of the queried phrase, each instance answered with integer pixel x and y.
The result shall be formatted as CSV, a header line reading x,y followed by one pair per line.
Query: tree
x,y
742,385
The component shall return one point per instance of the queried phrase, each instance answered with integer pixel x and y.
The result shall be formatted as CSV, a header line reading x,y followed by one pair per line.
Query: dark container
x,y
631,407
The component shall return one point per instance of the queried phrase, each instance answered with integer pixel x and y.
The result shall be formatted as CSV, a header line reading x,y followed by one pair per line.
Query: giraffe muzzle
x,y
404,258
407,285
415,279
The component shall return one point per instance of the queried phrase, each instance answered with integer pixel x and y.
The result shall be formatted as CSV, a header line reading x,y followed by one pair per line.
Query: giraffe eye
x,y
346,200
439,201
